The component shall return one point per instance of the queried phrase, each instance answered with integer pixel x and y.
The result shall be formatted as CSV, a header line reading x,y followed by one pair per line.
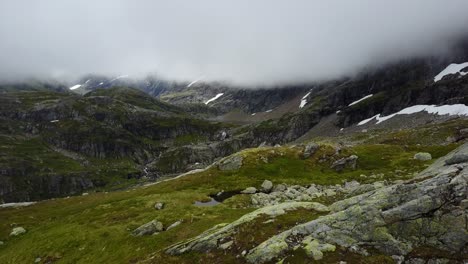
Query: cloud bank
x,y
241,41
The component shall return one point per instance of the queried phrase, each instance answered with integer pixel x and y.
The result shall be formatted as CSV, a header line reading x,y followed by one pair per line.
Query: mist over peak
x,y
241,42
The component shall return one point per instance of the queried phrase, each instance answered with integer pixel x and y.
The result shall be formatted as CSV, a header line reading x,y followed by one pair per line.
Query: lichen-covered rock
x,y
280,188
315,248
249,190
226,245
267,186
220,235
17,231
148,228
341,164
457,159
231,163
159,206
423,156
177,223
424,212
310,149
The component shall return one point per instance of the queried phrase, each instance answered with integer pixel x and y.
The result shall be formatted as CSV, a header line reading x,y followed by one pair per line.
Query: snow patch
x,y
304,100
75,87
54,121
451,69
8,205
194,82
254,114
119,77
101,83
87,81
268,111
452,110
214,98
360,100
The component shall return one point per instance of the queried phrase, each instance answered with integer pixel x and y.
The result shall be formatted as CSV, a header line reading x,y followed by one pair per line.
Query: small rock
x,y
267,186
349,186
438,261
457,158
226,245
269,221
277,146
174,225
464,204
249,190
310,149
312,190
37,260
85,194
329,192
159,206
341,164
416,261
17,231
149,228
463,133
2,243
398,259
451,139
423,156
280,188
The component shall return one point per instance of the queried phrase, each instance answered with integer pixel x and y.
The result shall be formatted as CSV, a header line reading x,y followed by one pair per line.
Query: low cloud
x,y
241,41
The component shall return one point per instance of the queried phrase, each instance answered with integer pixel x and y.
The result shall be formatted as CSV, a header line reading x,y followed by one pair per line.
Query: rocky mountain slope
x,y
154,128
57,143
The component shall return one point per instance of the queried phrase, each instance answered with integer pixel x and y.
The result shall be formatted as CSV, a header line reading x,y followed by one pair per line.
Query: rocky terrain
x,y
428,211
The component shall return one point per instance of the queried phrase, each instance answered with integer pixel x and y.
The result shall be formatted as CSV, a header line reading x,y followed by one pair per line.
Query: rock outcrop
x,y
231,163
425,212
149,228
220,235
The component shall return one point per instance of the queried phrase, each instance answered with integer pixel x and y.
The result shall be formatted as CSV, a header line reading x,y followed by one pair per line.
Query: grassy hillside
x,y
97,228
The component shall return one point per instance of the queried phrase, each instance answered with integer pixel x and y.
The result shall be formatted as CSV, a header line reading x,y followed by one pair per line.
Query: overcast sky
x,y
242,41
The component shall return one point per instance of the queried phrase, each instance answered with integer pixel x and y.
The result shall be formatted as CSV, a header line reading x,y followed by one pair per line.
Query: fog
x,y
245,42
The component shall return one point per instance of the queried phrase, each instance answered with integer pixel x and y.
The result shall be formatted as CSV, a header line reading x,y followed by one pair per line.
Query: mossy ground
x,y
96,228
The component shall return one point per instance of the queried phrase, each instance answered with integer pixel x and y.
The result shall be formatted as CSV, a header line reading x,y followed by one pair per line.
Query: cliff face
x,y
59,143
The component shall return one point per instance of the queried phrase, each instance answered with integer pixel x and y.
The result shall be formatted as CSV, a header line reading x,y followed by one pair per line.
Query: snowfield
x,y
451,69
457,109
304,100
75,87
360,100
214,98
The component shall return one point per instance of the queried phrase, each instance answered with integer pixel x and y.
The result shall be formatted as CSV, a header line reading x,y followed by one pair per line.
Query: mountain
x,y
369,168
